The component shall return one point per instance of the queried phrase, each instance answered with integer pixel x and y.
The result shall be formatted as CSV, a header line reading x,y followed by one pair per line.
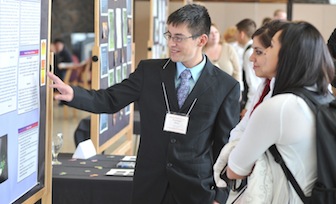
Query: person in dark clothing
x,y
62,55
332,48
187,108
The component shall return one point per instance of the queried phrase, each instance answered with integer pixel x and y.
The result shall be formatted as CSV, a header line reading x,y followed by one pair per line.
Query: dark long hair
x,y
303,60
268,30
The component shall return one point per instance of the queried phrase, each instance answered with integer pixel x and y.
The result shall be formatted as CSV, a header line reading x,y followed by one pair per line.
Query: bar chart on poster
x,y
24,38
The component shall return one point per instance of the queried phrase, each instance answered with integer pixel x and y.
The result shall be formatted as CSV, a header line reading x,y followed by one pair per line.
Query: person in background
x,y
62,54
261,41
290,121
229,36
180,139
223,54
280,14
332,49
245,29
266,20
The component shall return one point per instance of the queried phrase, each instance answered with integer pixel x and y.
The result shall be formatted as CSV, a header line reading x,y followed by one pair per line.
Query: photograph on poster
x,y
104,30
111,28
129,7
118,74
129,51
111,78
156,30
116,58
121,114
114,119
125,26
118,27
103,123
124,71
129,26
103,60
103,7
127,110
3,158
123,55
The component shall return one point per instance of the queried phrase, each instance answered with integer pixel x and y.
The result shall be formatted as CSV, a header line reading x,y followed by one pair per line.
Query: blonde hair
x,y
229,34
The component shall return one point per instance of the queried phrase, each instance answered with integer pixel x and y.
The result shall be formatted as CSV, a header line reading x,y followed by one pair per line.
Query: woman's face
x,y
272,53
188,50
264,59
214,35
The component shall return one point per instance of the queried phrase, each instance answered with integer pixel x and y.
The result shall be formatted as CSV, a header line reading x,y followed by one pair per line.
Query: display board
x,y
157,44
25,114
112,62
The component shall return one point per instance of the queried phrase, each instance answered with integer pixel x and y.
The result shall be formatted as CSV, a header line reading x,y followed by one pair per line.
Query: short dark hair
x,y
58,40
247,26
267,31
304,59
195,16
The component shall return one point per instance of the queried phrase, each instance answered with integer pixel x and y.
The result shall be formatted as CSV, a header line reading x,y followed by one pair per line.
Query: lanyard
x,y
167,102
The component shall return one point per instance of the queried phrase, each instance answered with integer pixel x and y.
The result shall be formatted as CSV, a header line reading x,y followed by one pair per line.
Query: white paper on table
x,y
84,150
120,172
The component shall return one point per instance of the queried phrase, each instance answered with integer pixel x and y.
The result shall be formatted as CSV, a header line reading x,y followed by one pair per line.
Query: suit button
x,y
169,165
173,140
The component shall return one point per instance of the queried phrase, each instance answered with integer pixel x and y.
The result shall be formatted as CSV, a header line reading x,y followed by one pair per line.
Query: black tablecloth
x,y
84,181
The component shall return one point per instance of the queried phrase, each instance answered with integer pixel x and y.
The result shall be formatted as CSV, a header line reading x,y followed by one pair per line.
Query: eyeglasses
x,y
177,39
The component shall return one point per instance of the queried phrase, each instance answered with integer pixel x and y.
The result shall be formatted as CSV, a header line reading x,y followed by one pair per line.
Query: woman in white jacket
x,y
298,58
261,41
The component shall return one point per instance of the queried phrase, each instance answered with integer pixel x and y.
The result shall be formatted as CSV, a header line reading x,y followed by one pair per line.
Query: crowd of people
x,y
218,103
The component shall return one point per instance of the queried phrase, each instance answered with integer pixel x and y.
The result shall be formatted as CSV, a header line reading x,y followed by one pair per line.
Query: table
x,y
84,181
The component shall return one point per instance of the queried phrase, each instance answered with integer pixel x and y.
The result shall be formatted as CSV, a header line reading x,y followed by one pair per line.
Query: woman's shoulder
x,y
286,102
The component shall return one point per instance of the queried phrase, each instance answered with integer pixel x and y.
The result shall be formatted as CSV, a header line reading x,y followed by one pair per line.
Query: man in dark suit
x,y
178,145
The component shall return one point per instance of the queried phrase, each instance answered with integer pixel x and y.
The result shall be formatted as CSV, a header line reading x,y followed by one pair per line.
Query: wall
x,y
70,16
228,14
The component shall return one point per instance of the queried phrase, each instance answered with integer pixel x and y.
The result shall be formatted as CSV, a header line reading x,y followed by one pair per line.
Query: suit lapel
x,y
168,78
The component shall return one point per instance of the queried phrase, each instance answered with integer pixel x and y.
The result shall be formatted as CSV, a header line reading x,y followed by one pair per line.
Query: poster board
x,y
112,58
25,102
157,44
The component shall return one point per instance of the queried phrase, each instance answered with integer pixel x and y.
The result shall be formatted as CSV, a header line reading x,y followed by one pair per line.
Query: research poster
x,y
115,44
22,74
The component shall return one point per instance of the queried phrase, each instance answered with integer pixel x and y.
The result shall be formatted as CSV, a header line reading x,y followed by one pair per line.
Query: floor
x,y
66,120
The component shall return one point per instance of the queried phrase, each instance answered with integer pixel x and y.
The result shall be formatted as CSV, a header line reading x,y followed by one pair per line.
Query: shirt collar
x,y
195,71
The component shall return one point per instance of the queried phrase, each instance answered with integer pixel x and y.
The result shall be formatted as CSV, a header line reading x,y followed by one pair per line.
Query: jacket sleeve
x,y
113,98
227,119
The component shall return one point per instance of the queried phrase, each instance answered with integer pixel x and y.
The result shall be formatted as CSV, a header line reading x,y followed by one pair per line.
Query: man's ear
x,y
203,39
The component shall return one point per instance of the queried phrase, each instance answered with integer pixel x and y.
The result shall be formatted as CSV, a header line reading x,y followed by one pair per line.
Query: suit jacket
x,y
182,162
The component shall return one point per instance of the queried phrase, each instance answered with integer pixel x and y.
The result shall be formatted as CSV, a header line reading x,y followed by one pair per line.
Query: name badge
x,y
176,123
